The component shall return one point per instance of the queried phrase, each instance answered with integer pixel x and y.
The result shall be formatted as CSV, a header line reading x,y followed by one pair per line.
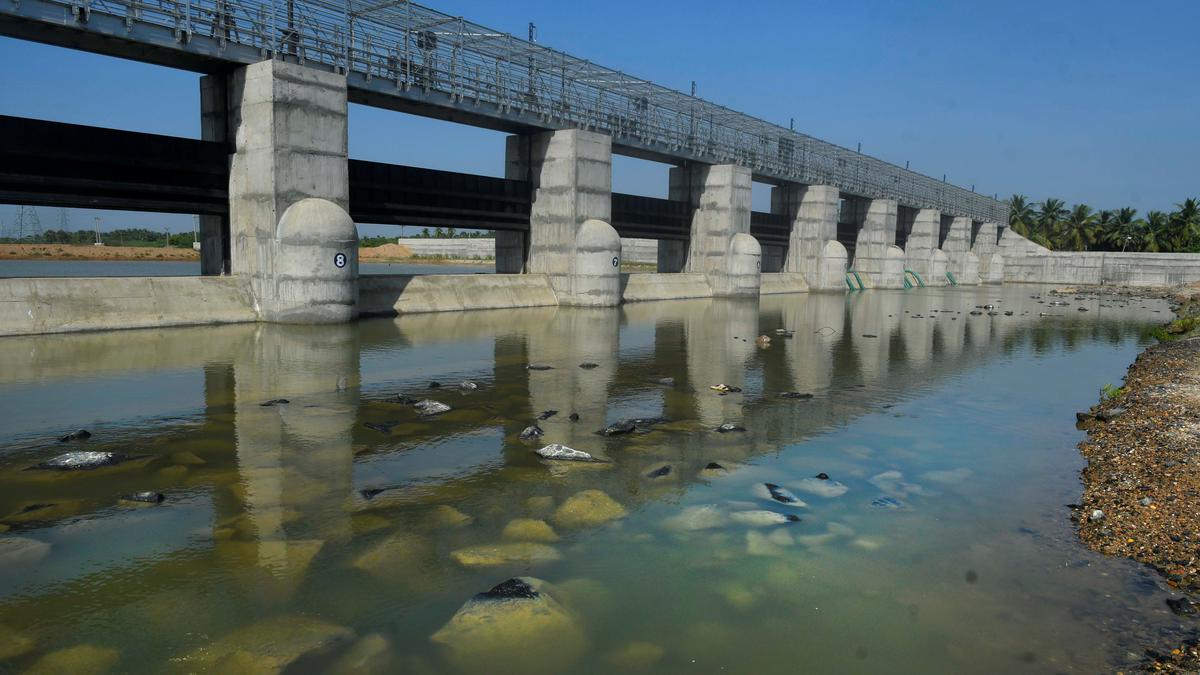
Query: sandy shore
x,y
1141,496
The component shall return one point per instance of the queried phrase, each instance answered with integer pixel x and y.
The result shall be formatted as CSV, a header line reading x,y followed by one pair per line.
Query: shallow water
x,y
163,268
272,515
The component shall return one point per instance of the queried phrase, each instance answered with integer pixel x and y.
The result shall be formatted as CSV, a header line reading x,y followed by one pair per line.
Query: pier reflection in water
x,y
342,530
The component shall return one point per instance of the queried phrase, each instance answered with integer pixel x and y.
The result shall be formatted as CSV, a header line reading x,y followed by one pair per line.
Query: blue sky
x,y
1095,102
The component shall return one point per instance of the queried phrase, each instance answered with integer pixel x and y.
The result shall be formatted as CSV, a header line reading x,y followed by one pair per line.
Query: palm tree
x,y
1185,225
1050,213
1020,215
1124,233
1155,232
1078,231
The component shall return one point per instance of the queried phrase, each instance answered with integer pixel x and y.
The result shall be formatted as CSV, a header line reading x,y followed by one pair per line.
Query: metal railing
x,y
410,48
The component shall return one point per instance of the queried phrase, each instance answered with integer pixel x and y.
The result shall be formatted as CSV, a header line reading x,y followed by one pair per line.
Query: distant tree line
x,y
1079,228
451,233
122,237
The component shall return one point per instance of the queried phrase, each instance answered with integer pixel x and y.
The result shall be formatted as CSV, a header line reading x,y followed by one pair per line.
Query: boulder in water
x,y
546,414
695,518
588,365
381,427
821,488
558,451
762,518
642,424
16,551
430,407
467,385
516,627
532,432
274,402
487,555
77,660
82,461
776,493
538,366
529,529
13,644
77,435
660,471
728,427
588,508
796,395
147,497
268,646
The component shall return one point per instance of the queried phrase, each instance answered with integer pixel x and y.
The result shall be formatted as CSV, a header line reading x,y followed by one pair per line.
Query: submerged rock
x,y
538,366
77,435
81,461
371,655
381,427
777,493
666,381
545,415
389,555
529,529
77,660
268,646
558,451
725,388
274,402
13,644
486,555
467,385
695,518
886,503
430,407
574,417
636,656
516,627
796,395
661,471
1110,414
531,433
447,516
588,365
822,488
728,427
762,518
631,425
586,509
145,497
758,543
1183,606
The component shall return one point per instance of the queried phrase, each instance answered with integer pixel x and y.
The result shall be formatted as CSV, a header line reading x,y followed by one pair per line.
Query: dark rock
x,y
886,503
81,461
1083,417
546,414
1008,313
822,476
868,335
781,495
381,427
506,590
795,395
1182,606
713,466
430,407
274,402
727,427
1110,414
976,312
1083,309
145,497
405,400
661,471
589,365
574,417
77,435
532,432
629,426
435,385
538,366
371,493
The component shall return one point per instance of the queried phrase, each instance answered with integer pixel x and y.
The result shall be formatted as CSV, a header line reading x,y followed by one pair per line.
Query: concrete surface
x,y
315,275
720,199
642,286
643,251
66,304
774,283
404,294
596,275
921,243
814,213
875,250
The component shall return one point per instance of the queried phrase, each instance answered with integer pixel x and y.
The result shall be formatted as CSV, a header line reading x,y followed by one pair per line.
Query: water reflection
x,y
382,531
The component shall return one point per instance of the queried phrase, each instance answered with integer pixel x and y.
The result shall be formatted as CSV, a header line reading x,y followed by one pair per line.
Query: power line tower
x,y
28,224
64,220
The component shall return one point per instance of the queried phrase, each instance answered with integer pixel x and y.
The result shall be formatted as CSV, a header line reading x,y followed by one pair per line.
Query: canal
x,y
909,516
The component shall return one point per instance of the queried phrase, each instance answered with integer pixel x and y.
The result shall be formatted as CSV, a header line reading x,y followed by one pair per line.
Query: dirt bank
x,y
1141,496
71,252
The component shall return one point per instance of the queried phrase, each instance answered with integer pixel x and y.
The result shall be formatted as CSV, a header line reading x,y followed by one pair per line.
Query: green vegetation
x,y
1108,392
1080,228
451,233
123,237
1177,329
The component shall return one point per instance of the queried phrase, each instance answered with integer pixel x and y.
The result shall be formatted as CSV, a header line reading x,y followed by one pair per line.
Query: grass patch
x,y
1177,329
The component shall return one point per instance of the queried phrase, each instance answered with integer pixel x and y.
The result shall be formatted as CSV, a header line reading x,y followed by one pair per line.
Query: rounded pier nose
x,y
315,279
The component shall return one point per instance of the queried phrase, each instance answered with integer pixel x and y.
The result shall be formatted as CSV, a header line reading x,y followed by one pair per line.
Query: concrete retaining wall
x,y
783,282
62,305
407,294
668,286
643,251
1117,269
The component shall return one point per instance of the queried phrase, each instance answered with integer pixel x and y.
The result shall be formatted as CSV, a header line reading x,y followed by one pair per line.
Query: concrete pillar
x,y
672,255
570,172
985,246
720,245
813,210
289,193
957,246
921,243
511,252
876,255
773,258
214,126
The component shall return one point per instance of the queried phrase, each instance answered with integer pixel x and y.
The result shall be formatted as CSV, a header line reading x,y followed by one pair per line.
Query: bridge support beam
x,y
876,255
963,264
214,126
920,247
289,193
720,245
813,249
571,239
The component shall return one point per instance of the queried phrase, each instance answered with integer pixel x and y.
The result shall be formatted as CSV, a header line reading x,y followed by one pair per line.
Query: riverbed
x,y
919,495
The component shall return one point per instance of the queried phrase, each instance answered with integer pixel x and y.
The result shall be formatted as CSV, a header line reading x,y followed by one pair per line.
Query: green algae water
x,y
343,531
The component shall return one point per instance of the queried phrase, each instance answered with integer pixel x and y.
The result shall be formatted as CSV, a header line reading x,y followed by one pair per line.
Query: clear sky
x,y
1094,101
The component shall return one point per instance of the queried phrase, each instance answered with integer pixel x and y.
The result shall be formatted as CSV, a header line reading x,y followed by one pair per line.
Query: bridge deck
x,y
401,55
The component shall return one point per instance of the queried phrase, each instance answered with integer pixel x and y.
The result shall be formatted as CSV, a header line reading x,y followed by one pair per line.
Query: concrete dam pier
x,y
278,196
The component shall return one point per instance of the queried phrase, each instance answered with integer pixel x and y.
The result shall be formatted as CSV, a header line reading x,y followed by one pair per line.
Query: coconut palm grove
x,y
1080,228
